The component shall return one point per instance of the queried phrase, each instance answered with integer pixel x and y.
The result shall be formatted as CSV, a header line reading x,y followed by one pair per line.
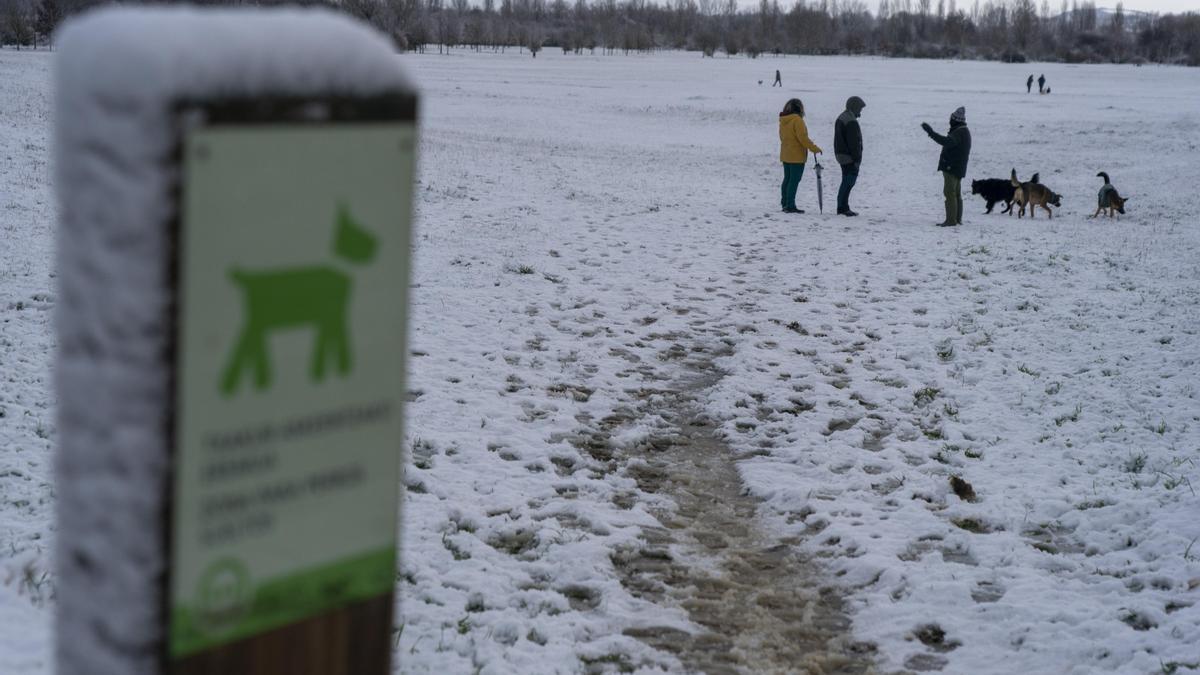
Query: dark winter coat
x,y
956,149
847,139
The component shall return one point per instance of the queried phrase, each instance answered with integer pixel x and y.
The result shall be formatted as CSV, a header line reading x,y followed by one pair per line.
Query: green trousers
x,y
953,192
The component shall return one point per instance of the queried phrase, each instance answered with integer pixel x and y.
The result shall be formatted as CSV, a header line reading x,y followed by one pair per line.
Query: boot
x,y
951,215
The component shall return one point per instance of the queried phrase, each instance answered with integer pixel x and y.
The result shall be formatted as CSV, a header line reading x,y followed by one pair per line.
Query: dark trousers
x,y
849,178
792,173
952,189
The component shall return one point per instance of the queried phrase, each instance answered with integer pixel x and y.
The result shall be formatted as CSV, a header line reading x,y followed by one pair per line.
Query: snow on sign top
x,y
152,54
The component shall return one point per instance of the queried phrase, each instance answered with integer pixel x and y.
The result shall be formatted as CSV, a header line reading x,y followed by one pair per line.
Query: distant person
x,y
794,146
956,150
778,80
1029,85
1041,84
847,149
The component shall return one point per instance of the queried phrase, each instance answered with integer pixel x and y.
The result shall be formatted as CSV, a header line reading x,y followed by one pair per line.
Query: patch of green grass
x,y
944,350
453,548
971,525
1073,416
1171,481
620,661
1028,371
1135,463
1138,621
925,396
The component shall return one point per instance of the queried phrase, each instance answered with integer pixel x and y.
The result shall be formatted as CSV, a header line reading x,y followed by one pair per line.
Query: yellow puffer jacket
x,y
794,143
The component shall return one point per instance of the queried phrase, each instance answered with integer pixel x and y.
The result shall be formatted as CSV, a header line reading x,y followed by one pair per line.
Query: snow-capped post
x,y
235,193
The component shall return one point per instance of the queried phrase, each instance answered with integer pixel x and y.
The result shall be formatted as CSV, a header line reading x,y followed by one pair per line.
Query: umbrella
x,y
820,192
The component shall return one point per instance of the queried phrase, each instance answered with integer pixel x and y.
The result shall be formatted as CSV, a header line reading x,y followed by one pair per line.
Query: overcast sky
x,y
1165,6
1160,6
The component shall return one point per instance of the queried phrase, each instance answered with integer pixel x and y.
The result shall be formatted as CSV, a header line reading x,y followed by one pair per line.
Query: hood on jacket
x,y
855,105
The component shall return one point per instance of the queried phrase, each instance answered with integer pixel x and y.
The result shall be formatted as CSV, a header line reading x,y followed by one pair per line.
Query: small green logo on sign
x,y
223,595
297,297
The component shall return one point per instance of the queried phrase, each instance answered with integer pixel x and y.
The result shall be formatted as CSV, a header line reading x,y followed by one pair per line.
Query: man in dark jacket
x,y
956,150
847,149
1029,85
1041,84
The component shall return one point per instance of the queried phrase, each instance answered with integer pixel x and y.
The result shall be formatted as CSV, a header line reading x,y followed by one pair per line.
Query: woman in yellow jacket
x,y
794,146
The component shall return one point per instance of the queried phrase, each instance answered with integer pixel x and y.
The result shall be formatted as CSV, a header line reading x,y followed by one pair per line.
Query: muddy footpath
x,y
759,603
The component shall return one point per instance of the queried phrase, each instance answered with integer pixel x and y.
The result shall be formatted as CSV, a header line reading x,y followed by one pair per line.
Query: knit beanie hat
x,y
959,115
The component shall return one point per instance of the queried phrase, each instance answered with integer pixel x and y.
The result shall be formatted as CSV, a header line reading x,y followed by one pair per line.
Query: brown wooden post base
x,y
346,641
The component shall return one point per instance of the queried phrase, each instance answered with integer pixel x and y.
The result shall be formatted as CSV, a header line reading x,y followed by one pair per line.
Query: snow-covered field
x,y
601,263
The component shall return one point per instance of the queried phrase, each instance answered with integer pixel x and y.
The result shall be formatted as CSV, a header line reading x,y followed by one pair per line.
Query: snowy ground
x,y
601,266
26,344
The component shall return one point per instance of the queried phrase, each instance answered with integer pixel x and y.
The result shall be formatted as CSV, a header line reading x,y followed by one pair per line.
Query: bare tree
x,y
16,24
48,15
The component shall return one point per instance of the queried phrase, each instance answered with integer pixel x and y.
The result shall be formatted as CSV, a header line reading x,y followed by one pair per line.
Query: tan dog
x,y
1018,194
1033,194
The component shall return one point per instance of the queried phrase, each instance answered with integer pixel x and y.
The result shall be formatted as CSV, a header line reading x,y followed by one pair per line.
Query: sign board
x,y
292,265
235,194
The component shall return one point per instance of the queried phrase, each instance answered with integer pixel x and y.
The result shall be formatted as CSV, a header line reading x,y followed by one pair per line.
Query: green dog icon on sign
x,y
297,297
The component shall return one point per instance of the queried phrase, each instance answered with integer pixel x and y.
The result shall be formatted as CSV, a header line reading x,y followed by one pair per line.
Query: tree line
x,y
1009,30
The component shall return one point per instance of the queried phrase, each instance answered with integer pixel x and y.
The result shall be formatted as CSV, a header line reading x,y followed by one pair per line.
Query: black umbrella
x,y
820,192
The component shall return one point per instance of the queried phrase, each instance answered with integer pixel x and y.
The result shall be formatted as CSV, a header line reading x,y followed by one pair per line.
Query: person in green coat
x,y
956,151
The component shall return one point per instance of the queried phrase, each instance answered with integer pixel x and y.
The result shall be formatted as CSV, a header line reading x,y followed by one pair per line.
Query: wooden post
x,y
236,191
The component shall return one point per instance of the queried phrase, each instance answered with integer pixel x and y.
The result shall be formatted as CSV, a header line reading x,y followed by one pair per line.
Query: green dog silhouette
x,y
296,297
